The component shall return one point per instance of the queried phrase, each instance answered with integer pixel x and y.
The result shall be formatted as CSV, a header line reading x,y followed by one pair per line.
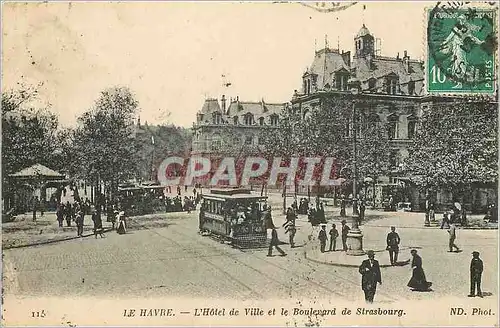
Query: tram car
x,y
235,216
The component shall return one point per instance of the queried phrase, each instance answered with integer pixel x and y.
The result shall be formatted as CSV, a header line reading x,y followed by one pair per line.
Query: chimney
x,y
346,56
223,103
397,57
406,61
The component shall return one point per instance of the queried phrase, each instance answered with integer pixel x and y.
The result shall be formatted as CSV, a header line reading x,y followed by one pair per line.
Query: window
x,y
248,119
236,140
235,120
411,87
391,85
371,84
216,118
412,128
248,140
261,121
347,128
274,120
341,82
392,127
394,159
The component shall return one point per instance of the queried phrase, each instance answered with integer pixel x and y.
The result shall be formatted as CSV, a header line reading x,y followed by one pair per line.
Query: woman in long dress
x,y
418,282
122,223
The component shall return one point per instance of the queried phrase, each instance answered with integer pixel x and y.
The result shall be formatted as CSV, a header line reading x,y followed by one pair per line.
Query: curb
x,y
347,265
53,241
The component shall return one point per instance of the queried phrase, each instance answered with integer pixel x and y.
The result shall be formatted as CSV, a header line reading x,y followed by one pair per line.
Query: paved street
x,y
173,260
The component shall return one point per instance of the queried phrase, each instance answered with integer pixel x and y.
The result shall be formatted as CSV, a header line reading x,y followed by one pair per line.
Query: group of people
x,y
334,234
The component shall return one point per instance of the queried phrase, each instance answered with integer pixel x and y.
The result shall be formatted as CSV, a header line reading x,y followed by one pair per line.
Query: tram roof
x,y
234,197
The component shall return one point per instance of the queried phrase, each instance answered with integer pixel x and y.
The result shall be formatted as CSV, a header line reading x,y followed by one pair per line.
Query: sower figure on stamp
x,y
476,271
274,243
333,238
322,238
393,241
370,275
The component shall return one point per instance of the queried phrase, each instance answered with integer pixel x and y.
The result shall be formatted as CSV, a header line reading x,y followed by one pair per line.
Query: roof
x,y
363,31
38,170
255,108
211,105
322,66
383,66
234,197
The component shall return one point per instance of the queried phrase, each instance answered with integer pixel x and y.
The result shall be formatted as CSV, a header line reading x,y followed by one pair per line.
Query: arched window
x,y
392,126
248,119
261,121
274,120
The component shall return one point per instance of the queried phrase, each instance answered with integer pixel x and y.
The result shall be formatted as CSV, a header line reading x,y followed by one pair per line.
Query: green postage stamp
x,y
461,45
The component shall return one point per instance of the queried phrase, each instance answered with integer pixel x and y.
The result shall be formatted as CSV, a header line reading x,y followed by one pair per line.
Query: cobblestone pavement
x,y
176,261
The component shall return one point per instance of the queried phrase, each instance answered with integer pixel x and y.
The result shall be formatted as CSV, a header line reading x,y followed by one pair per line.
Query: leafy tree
x,y
104,142
456,145
28,132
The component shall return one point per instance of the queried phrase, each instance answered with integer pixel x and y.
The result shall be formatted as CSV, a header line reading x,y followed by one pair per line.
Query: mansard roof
x,y
211,105
255,108
379,66
325,67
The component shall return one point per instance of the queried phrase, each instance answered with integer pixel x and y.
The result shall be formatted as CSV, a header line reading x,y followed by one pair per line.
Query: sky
x,y
172,55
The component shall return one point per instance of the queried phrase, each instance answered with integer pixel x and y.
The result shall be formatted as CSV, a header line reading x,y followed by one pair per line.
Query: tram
x,y
235,216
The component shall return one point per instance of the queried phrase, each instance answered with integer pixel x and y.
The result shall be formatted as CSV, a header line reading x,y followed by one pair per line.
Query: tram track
x,y
300,277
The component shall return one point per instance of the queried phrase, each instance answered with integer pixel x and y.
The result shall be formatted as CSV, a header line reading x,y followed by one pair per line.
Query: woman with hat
x,y
418,282
122,225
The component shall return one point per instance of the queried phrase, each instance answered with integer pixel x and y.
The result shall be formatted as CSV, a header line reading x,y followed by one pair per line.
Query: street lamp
x,y
355,236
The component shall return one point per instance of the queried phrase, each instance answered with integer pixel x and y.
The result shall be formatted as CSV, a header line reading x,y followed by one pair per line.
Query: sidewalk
x,y
23,232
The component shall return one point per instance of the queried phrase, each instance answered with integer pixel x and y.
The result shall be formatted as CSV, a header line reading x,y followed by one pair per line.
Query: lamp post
x,y
355,236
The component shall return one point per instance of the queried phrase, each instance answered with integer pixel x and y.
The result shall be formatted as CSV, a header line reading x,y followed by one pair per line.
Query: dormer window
x,y
274,120
411,88
391,82
341,81
248,119
216,118
235,120
261,121
372,83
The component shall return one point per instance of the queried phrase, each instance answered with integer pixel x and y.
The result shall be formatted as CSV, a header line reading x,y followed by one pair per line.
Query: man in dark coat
x,y
80,217
370,275
333,237
275,242
362,209
322,238
476,271
393,241
345,231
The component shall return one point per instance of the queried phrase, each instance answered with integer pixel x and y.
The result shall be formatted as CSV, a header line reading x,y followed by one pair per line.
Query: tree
x,y
456,145
28,132
104,142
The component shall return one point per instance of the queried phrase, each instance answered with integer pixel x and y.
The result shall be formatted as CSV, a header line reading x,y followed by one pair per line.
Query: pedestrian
x,y
322,238
370,275
80,217
96,218
344,231
342,206
201,219
69,214
362,208
333,237
185,188
291,230
122,224
453,236
178,190
194,192
418,282
60,214
476,271
274,243
393,241
35,207
446,220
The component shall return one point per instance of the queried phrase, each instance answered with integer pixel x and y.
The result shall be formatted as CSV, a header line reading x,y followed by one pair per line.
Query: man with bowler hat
x,y
393,241
345,231
370,275
476,271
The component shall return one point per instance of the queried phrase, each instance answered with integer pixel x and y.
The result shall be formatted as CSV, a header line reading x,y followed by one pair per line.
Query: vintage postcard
x,y
250,163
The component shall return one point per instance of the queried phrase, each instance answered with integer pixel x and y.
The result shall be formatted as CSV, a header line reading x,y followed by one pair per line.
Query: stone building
x,y
234,128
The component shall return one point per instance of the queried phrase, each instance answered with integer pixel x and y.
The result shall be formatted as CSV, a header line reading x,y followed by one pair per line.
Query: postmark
x,y
461,50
